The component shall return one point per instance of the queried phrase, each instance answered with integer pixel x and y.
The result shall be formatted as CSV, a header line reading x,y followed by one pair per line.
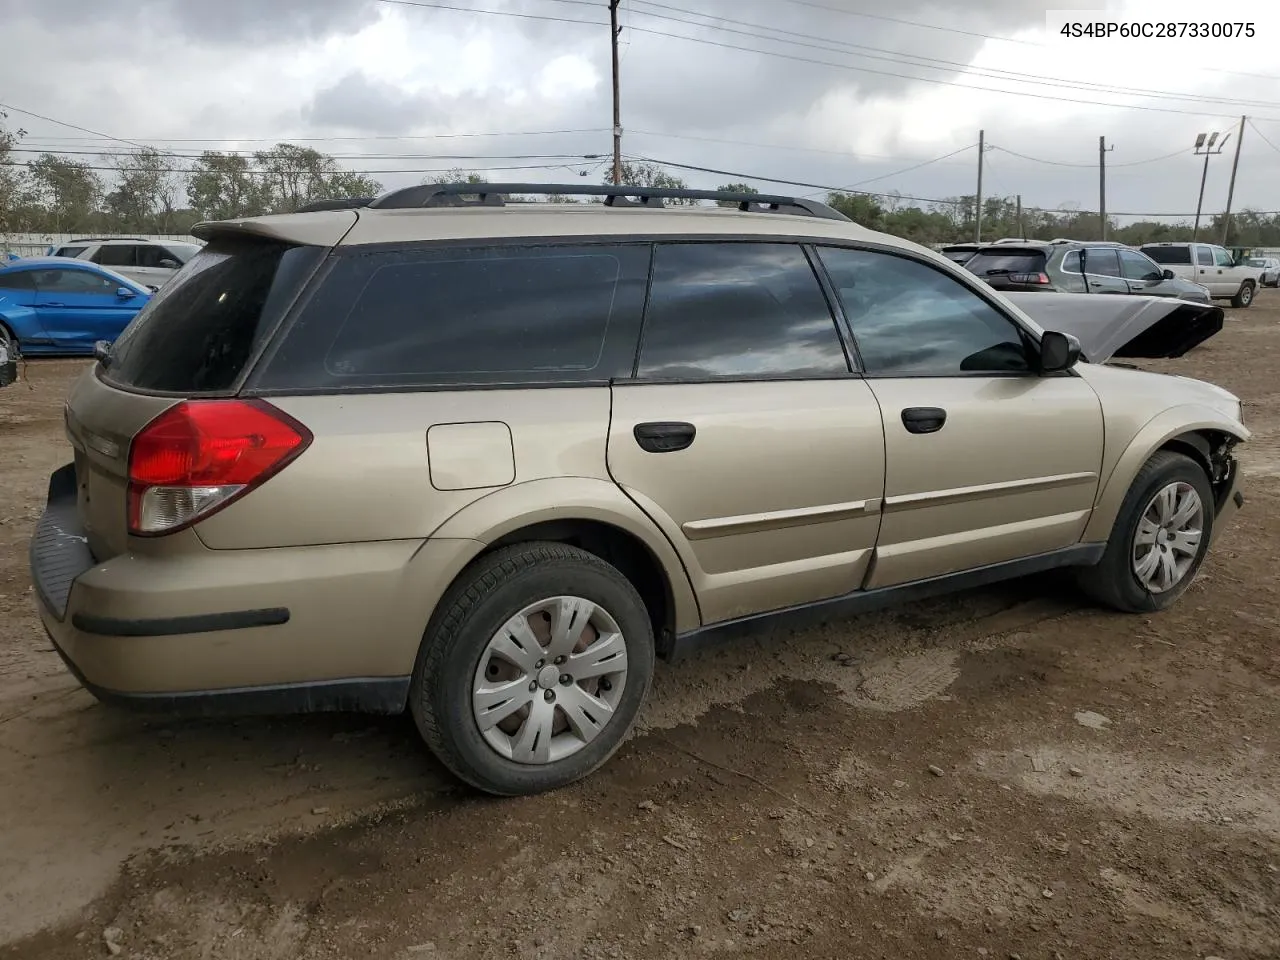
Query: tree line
x,y
150,191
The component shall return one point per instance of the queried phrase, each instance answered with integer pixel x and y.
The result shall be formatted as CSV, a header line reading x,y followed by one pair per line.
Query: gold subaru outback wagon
x,y
487,458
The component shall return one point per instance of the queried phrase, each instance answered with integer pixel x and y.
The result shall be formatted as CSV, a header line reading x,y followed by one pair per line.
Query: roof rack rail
x,y
495,195
344,203
101,240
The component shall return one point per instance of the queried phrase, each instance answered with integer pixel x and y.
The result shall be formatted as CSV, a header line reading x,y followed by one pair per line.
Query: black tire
x,y
1112,582
1244,296
475,607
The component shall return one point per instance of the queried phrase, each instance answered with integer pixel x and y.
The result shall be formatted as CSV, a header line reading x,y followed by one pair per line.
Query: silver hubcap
x,y
1168,537
550,680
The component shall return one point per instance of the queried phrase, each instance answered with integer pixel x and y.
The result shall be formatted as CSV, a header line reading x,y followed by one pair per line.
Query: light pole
x,y
1205,148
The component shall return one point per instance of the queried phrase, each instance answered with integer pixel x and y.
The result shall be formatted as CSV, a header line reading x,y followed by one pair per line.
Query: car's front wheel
x,y
533,670
1159,539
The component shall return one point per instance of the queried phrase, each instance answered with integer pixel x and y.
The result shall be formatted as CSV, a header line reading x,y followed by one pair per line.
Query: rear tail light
x,y
199,456
1040,278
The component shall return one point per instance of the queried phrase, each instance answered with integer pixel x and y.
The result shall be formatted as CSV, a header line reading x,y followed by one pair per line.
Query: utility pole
x,y
1204,148
1102,185
1022,231
617,103
977,212
1235,165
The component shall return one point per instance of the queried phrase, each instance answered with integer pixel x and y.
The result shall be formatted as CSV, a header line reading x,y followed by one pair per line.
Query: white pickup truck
x,y
1211,266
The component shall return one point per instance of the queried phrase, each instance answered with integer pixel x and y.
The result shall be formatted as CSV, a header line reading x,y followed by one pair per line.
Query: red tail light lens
x,y
199,456
1040,278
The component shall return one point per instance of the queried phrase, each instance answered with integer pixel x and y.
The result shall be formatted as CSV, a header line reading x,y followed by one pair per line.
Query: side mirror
x,y
124,293
1058,352
1169,274
153,288
170,264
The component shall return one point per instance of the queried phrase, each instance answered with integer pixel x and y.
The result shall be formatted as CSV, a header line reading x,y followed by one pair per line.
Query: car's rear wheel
x,y
1244,296
533,670
1159,539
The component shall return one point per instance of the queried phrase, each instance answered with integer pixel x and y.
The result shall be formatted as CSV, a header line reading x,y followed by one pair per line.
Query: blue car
x,y
56,306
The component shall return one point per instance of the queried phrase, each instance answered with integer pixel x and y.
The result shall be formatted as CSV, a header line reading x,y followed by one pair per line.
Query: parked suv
x,y
486,461
149,262
1070,266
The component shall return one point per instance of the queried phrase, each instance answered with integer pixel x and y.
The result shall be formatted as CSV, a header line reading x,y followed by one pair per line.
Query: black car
x,y
1071,266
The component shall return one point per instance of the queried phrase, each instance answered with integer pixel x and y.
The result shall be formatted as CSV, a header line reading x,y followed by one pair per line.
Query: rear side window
x,y
1204,256
1005,263
18,280
198,333
1169,255
737,310
116,255
439,316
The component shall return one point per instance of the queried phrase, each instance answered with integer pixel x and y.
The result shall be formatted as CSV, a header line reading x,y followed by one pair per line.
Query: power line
x,y
1091,166
934,80
952,201
246,155
278,139
981,36
186,170
799,59
896,173
947,66
1264,137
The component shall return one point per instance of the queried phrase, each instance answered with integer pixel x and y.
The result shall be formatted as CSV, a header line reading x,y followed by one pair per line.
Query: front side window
x,y
1135,266
71,252
911,320
1223,257
737,310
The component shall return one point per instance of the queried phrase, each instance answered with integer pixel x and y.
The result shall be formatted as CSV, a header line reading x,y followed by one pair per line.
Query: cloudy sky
x,y
846,93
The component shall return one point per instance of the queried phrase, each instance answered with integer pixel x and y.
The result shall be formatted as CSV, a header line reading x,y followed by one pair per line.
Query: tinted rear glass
x,y
959,255
1004,262
1168,254
467,315
198,332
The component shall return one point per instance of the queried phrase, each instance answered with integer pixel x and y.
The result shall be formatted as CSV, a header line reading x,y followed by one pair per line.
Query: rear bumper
x,y
329,627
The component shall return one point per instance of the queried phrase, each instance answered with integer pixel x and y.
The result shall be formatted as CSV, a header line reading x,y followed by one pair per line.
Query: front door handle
x,y
664,437
53,304
923,419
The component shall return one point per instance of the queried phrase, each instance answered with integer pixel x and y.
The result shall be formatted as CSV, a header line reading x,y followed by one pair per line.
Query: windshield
x,y
994,263
184,251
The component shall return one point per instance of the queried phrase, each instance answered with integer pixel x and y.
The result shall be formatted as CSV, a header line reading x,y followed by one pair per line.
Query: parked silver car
x,y
149,262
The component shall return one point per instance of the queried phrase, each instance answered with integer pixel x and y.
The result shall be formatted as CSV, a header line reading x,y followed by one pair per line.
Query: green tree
x,y
293,176
456,175
12,178
223,186
734,188
650,175
145,194
67,191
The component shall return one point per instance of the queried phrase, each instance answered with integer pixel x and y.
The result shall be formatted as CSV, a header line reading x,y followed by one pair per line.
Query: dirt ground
x,y
905,785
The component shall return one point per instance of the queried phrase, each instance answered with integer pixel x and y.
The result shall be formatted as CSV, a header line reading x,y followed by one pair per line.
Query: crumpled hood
x,y
1119,325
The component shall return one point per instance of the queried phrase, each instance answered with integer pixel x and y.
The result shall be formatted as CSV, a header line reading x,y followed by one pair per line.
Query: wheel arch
x,y
1196,431
593,515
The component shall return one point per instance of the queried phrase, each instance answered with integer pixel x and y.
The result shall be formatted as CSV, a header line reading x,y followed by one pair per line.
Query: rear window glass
x,y
466,315
198,332
958,254
1004,262
1168,254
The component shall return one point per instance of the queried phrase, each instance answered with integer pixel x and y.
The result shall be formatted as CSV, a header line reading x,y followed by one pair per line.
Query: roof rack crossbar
x,y
495,195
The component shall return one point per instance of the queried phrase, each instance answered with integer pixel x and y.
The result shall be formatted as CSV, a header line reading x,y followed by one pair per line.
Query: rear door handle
x,y
923,419
664,437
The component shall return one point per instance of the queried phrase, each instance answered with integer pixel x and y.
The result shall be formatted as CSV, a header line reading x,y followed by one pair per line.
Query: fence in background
x,y
35,244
